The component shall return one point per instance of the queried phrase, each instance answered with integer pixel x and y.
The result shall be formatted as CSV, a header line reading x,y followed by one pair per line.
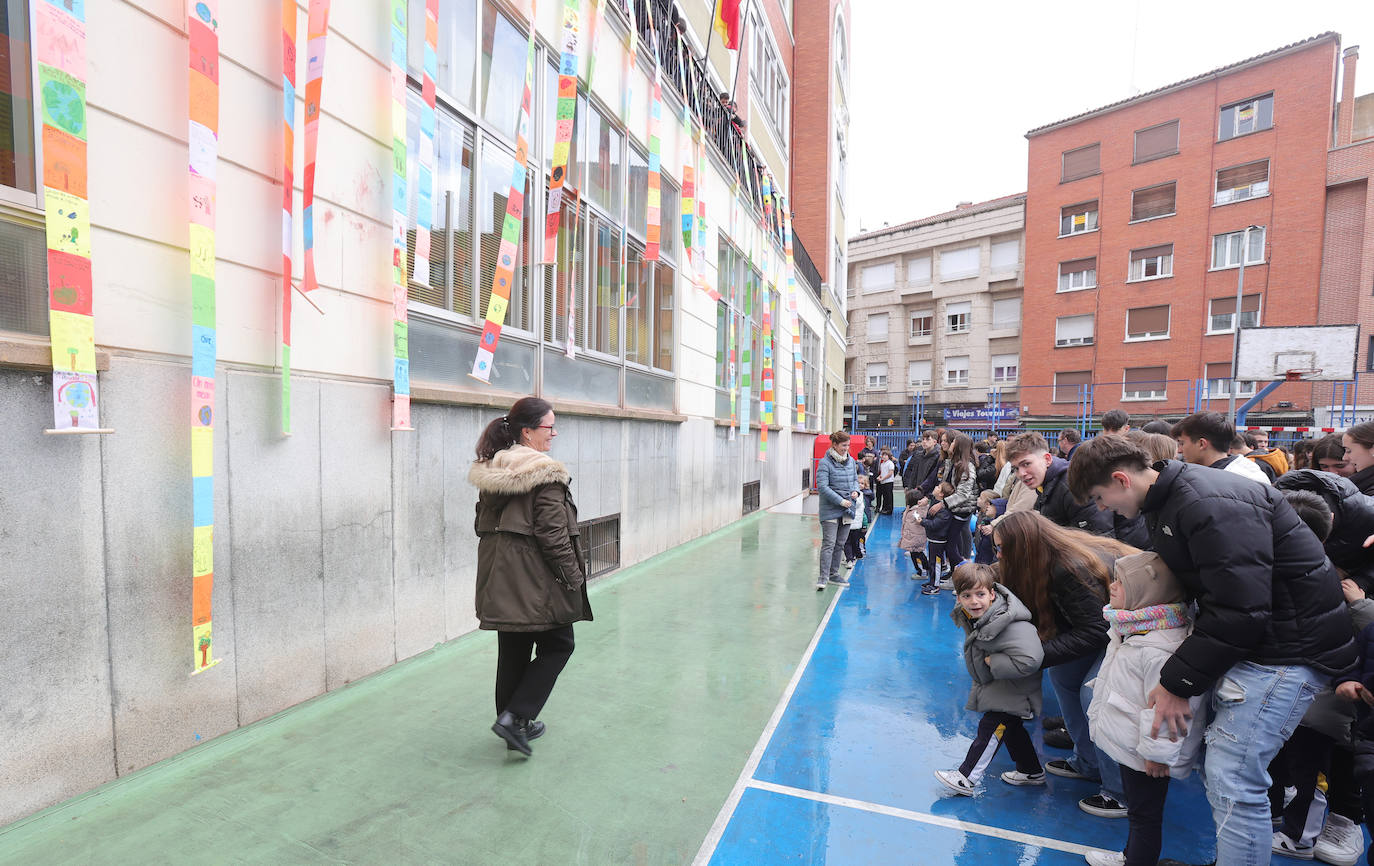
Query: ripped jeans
x,y
1257,709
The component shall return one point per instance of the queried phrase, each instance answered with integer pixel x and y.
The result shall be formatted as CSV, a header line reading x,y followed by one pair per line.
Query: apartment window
x,y
1006,313
1226,249
1152,263
1369,357
602,147
877,327
959,264
1219,382
503,70
918,270
1079,163
451,274
957,317
1147,323
1243,118
880,278
1144,383
1077,219
811,375
922,322
1240,182
956,370
457,46
769,77
1004,368
1073,331
918,374
1153,202
648,309
1078,274
1221,314
1004,256
1068,387
1156,141
877,377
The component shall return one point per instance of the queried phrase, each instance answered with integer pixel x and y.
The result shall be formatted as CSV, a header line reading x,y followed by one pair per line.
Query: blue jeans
x,y
1074,698
1257,708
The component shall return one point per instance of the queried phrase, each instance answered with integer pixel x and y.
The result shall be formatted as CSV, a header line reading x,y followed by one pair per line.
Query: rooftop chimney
x,y
963,204
1345,112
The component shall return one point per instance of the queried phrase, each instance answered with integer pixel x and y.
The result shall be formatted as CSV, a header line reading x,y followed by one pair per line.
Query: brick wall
x,y
1347,282
1303,84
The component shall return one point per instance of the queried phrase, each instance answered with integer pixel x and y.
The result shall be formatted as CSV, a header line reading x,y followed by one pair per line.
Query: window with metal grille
x,y
1240,182
599,540
751,497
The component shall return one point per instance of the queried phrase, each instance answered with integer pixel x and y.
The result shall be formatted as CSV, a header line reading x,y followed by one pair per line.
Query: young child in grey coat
x,y
1003,654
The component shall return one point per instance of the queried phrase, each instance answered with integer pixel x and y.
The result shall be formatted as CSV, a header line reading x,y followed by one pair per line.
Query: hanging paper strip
x,y
510,229
689,183
288,199
767,205
204,138
730,373
61,29
798,387
316,27
631,65
766,398
655,167
400,328
746,357
424,210
564,115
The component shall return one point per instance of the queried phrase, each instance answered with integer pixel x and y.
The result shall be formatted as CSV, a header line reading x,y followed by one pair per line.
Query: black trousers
x,y
1342,794
1145,814
1306,754
960,541
918,559
885,497
523,684
993,730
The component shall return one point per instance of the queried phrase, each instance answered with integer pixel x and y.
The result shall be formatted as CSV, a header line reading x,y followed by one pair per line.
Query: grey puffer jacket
x,y
836,482
1009,680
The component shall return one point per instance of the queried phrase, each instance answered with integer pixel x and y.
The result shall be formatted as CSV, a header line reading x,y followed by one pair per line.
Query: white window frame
x,y
1002,324
993,266
964,274
952,377
1252,191
886,287
1090,225
1063,342
1059,289
875,382
1232,316
1000,374
928,315
1263,233
1164,264
958,323
1149,336
920,383
929,263
1144,396
886,319
1236,131
1222,388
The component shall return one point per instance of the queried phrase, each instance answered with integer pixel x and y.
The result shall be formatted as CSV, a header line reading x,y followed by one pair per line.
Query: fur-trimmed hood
x,y
517,470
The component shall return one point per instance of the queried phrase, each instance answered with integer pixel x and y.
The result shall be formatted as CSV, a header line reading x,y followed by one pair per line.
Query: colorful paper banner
x,y
400,328
655,226
317,27
746,364
510,229
288,195
689,183
798,387
61,52
766,396
565,114
204,128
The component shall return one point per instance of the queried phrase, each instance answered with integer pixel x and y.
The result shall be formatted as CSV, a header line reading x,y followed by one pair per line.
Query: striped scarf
x,y
1156,617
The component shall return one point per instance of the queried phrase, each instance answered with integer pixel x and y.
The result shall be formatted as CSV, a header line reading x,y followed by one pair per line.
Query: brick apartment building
x,y
1135,221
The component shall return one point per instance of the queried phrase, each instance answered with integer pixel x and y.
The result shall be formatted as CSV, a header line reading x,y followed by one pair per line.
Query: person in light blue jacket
x,y
837,482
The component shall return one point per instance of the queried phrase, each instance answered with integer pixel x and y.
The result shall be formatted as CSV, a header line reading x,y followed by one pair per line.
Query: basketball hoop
x,y
1300,375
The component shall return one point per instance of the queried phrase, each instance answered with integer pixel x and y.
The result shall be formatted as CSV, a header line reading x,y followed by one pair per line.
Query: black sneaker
x,y
929,589
1058,739
1062,768
1102,806
1051,723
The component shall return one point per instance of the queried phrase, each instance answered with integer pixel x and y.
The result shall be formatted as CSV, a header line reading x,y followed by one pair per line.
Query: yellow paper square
x,y
202,452
68,221
496,309
203,550
73,341
202,251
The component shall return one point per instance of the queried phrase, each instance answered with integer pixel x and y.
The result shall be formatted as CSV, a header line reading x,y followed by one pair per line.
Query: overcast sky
x,y
942,94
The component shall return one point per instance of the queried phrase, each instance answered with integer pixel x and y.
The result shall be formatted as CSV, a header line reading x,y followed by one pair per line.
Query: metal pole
x,y
1235,330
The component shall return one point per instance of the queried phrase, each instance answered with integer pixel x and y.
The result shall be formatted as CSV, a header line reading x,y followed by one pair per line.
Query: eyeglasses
x,y
548,427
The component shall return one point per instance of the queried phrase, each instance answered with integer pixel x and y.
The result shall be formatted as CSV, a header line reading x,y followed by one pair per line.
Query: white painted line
x,y
708,846
927,818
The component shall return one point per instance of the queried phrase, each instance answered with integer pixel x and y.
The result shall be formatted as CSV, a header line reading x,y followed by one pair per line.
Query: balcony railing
x,y
805,267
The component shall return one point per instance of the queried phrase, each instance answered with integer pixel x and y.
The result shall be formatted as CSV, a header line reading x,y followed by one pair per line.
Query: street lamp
x,y
1235,329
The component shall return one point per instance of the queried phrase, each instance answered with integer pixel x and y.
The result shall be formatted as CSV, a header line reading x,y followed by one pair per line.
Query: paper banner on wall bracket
x,y
689,183
317,27
203,117
766,396
565,114
400,287
510,230
655,195
288,198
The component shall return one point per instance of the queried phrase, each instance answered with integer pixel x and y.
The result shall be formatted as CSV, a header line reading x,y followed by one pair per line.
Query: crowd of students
x,y
1173,585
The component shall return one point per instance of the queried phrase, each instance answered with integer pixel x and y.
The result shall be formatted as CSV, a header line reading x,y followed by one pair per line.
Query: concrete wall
x,y
339,551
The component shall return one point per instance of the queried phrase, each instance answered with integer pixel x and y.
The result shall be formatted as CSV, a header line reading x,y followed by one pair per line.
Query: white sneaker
x,y
1288,848
1016,777
1340,842
1105,858
956,782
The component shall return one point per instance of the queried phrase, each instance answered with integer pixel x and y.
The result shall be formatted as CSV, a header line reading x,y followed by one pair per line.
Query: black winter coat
x,y
1352,520
1363,673
1082,632
922,469
1265,591
987,472
1057,503
1364,479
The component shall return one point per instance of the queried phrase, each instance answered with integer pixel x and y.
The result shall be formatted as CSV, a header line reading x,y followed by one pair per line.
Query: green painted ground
x,y
649,727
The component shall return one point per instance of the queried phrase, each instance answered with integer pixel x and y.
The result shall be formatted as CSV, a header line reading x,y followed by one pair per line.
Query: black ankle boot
x,y
512,730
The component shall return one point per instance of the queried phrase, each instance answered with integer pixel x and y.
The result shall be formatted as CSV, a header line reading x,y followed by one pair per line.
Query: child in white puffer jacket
x,y
1148,621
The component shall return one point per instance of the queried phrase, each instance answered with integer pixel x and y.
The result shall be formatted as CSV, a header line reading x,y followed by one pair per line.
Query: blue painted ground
x,y
878,709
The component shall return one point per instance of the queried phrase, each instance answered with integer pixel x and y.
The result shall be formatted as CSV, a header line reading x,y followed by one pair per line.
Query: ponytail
x,y
505,431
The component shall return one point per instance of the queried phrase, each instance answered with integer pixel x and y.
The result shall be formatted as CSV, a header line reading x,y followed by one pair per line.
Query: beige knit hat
x,y
1146,581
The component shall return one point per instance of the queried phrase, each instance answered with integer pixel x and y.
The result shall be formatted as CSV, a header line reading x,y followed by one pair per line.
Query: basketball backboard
x,y
1323,353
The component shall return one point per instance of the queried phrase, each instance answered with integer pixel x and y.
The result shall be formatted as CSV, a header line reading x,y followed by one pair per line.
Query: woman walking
x,y
531,581
837,482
